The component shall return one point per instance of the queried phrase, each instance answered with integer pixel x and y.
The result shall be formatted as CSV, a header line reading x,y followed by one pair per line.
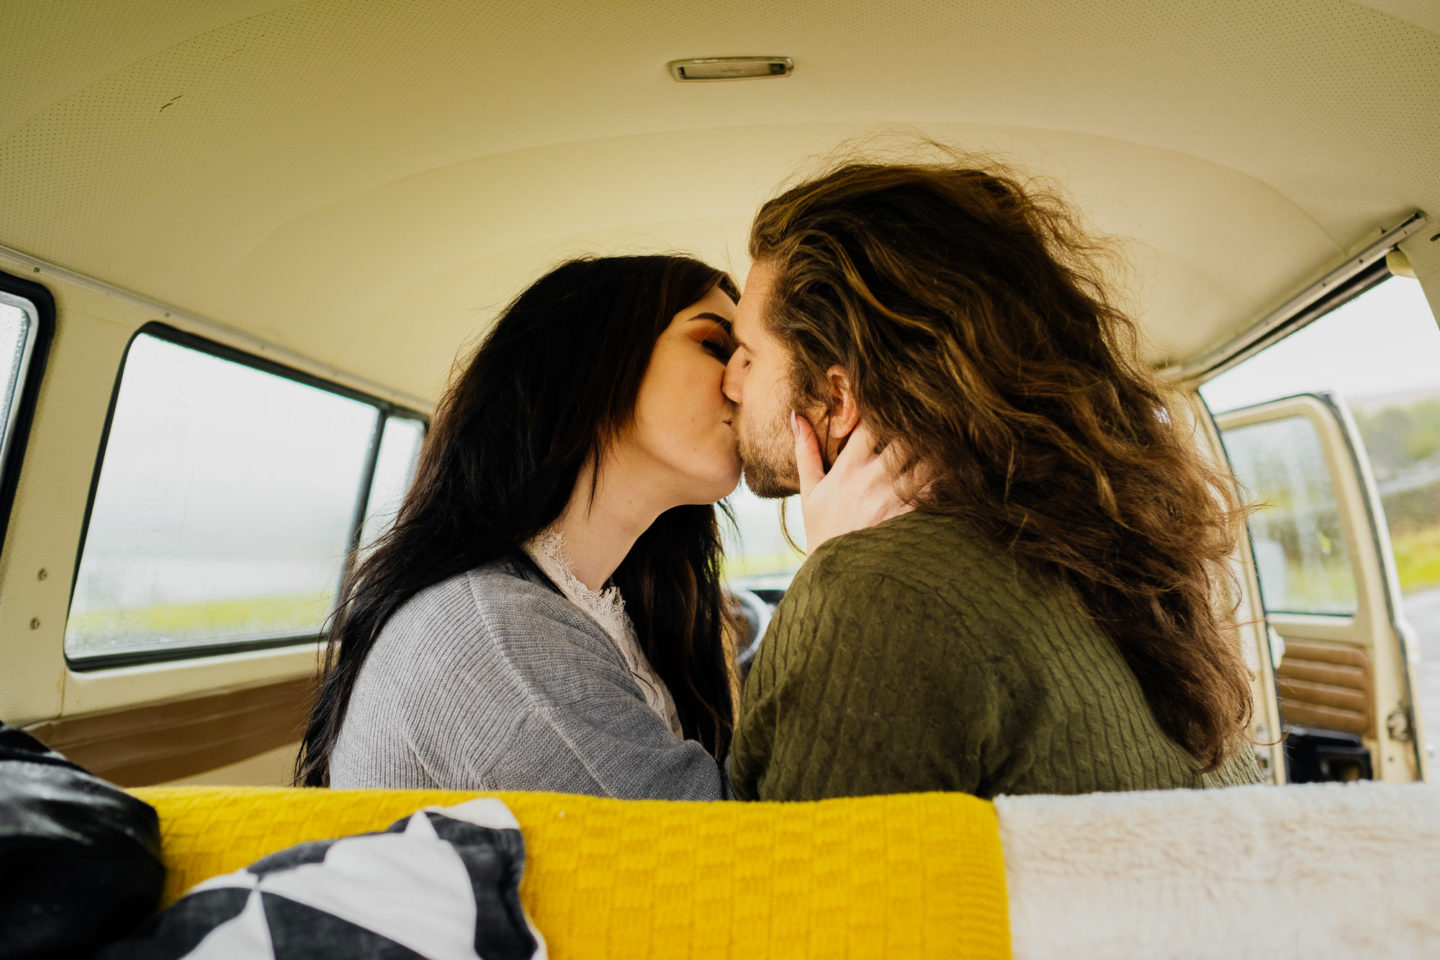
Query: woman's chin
x,y
717,489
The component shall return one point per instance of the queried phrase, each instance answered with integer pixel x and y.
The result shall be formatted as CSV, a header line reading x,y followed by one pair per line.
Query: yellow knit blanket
x,y
901,876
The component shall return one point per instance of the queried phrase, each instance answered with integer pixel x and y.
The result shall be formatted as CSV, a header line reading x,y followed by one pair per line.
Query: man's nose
x,y
734,374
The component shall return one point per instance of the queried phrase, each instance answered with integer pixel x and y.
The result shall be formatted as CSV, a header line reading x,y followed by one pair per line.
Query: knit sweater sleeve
x,y
490,683
865,684
586,727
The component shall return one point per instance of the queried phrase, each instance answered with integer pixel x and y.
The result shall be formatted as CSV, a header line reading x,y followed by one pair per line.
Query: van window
x,y
757,556
1299,550
19,323
1377,355
394,469
27,324
225,505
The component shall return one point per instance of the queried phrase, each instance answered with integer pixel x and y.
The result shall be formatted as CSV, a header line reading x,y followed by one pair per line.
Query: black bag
x,y
79,858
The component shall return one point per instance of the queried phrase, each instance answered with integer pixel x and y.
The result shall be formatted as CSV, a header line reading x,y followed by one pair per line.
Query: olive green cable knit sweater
x,y
916,656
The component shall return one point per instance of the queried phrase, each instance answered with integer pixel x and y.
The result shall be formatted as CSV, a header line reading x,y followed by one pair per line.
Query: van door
x,y
1331,422
1331,596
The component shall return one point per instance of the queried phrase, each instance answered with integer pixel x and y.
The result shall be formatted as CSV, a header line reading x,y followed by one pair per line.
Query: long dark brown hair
x,y
972,318
543,395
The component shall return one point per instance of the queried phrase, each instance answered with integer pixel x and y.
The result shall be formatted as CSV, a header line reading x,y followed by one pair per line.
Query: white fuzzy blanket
x,y
1320,870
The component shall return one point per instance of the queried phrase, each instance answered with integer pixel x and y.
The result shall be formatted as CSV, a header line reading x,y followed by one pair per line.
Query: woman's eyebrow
x,y
716,319
729,328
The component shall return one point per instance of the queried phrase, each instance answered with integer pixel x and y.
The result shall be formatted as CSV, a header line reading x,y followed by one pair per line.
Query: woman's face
x,y
684,425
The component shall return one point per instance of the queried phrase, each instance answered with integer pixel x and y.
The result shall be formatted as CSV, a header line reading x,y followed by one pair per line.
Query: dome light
x,y
730,68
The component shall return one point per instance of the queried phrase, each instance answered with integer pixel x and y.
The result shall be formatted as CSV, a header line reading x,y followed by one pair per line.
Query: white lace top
x,y
607,607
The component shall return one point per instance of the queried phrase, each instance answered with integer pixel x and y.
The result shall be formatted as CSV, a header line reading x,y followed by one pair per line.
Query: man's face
x,y
758,380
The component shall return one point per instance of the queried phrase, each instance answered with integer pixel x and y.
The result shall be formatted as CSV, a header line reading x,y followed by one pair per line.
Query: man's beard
x,y
768,456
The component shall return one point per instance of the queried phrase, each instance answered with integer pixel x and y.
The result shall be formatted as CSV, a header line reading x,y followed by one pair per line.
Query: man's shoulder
x,y
927,552
894,601
927,567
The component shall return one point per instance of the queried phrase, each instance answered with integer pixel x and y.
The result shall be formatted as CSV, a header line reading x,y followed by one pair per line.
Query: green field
x,y
285,615
761,564
1417,559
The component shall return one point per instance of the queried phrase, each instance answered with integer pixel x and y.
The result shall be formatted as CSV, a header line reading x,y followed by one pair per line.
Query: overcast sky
x,y
1384,342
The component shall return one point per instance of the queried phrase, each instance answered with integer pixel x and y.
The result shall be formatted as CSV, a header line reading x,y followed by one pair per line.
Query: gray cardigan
x,y
492,680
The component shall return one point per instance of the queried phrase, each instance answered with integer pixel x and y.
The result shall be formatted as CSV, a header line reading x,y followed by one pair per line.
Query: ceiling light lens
x,y
730,68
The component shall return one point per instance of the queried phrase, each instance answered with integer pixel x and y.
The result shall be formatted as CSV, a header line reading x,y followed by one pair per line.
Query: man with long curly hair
x,y
1051,615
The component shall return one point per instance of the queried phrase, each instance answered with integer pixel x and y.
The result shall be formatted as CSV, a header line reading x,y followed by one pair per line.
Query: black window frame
x,y
184,338
28,397
1361,283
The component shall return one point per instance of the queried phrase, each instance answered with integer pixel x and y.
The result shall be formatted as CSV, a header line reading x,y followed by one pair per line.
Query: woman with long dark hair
x,y
546,611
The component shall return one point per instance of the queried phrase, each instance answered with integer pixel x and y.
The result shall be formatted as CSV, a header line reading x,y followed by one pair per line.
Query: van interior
x,y
244,242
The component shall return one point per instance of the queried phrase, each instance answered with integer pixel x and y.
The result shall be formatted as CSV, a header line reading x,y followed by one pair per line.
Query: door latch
x,y
1397,724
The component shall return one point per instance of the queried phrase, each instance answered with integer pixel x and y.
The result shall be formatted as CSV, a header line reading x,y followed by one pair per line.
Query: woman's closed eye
x,y
718,345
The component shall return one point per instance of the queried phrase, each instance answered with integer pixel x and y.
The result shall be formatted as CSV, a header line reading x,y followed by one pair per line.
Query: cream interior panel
x,y
1422,13
460,302
57,47
91,690
1423,252
1243,604
90,335
273,768
440,264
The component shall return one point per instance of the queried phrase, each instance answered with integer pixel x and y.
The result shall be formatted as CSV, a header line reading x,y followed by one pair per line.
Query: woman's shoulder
x,y
502,604
463,595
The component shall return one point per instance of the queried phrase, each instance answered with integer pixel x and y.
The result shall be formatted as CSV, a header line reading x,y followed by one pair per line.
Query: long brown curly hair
x,y
970,314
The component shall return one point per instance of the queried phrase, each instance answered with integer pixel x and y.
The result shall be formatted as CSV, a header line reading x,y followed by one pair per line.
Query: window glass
x,y
394,469
1299,549
17,326
224,507
1379,354
756,554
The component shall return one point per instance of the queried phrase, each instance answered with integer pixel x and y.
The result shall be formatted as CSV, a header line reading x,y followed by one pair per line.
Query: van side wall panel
x,y
44,532
1422,249
92,328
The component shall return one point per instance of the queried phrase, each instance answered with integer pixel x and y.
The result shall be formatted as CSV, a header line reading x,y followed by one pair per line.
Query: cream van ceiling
x,y
366,182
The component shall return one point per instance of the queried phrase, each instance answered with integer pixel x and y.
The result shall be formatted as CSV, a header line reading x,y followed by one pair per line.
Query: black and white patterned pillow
x,y
441,884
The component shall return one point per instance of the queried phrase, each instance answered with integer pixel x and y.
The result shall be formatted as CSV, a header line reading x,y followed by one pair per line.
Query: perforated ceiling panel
x,y
365,183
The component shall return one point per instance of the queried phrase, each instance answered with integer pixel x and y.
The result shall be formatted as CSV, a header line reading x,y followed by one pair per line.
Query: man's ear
x,y
844,414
